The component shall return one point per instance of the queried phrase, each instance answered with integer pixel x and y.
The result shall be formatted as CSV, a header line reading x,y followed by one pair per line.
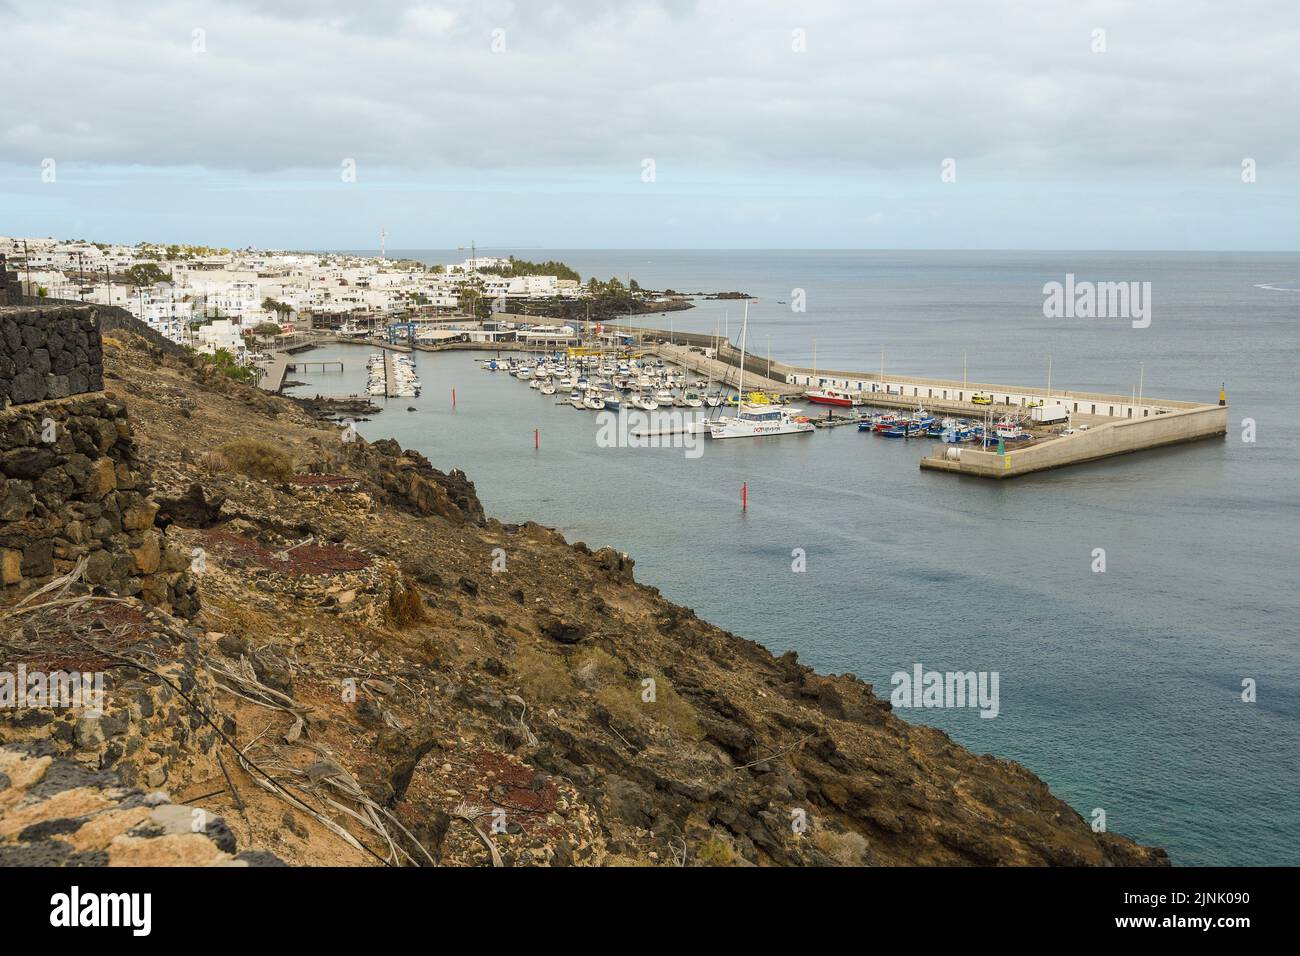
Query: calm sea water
x,y
1120,689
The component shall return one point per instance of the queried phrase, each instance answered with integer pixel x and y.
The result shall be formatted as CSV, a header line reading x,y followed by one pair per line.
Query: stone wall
x,y
48,352
71,487
11,290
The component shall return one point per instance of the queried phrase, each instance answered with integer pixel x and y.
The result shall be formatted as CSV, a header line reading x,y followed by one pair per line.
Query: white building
x,y
221,334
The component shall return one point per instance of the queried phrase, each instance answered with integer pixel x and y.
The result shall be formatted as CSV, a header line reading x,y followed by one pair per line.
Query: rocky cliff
x,y
377,672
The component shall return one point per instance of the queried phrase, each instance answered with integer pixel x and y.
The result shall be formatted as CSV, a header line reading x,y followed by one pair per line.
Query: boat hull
x,y
831,400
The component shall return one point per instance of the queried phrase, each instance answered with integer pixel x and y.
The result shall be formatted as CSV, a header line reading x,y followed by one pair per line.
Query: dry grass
x,y
595,668
715,851
404,604
846,849
543,678
253,458
625,696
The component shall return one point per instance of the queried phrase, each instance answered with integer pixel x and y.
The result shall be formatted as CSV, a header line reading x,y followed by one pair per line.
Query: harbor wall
x,y
1102,441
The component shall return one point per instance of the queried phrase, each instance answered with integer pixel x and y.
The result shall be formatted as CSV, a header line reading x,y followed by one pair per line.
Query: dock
x,y
272,377
1112,438
1102,425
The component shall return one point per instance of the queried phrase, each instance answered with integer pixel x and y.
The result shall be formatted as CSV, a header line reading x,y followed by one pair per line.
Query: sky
x,y
314,124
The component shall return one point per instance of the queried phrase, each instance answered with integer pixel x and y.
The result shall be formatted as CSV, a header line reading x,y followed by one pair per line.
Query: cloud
x,y
1008,89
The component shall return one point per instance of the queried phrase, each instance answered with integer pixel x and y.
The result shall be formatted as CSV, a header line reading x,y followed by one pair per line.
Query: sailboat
x,y
754,420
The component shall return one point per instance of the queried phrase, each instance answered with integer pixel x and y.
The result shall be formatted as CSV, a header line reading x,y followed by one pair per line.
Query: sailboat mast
x,y
740,382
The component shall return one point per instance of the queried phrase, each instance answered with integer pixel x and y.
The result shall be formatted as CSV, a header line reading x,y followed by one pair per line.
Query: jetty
x,y
1101,424
271,377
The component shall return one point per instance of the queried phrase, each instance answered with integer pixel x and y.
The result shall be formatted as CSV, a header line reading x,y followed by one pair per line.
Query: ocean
x,y
1121,689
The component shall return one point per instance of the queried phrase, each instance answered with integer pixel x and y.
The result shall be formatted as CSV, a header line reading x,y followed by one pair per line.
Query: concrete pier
x,y
1116,437
272,377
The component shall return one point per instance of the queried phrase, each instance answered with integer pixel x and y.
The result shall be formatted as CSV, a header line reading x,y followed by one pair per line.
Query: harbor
x,y
892,548
979,429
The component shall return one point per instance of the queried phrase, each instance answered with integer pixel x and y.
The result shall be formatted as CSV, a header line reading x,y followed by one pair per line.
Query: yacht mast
x,y
740,384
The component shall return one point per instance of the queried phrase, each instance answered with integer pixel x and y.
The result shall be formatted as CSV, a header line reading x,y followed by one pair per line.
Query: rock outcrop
x,y
58,812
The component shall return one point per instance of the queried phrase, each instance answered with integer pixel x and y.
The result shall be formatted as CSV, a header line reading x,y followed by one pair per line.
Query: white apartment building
x,y
221,334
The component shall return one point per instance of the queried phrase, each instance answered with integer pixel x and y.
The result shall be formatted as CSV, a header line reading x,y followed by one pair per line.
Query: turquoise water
x,y
1122,689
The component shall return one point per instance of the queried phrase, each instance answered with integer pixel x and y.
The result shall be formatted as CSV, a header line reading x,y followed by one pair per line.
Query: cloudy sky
x,y
662,123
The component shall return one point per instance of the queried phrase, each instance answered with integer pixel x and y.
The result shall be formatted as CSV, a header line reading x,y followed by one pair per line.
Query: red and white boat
x,y
830,396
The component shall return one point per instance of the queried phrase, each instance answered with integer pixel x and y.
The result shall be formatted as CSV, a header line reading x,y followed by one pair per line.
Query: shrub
x,y
846,849
256,459
715,851
543,678
404,605
621,695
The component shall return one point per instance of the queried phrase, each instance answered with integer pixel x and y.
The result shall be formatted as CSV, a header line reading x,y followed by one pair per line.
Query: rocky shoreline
x,y
480,693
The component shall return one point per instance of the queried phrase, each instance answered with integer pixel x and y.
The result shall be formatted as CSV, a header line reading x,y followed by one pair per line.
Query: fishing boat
x,y
904,430
837,397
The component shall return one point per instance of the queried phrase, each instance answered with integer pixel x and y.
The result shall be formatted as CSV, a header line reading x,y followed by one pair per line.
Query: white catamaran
x,y
756,421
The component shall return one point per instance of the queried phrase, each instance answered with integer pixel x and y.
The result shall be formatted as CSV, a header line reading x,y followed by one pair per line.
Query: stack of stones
x,y
71,487
48,352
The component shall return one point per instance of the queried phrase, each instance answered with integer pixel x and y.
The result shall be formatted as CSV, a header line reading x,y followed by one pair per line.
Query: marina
x,y
984,430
